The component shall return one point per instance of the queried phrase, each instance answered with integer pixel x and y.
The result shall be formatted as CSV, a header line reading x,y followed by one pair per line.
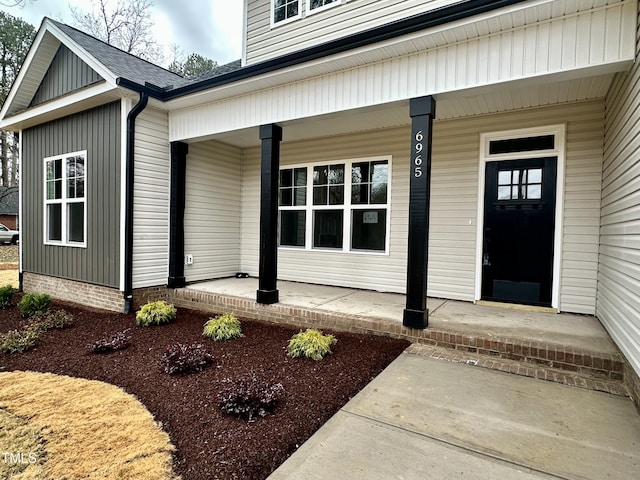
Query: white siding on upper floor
x,y
151,199
618,306
534,52
212,211
452,236
348,17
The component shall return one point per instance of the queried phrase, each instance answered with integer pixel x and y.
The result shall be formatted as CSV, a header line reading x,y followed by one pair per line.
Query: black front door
x,y
519,224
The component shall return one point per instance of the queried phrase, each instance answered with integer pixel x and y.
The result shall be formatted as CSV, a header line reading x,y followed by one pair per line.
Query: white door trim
x,y
559,131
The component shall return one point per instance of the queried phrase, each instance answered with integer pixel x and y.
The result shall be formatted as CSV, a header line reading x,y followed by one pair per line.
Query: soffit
x,y
525,95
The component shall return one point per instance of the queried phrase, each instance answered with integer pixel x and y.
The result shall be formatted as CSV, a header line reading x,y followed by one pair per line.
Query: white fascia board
x,y
23,70
59,107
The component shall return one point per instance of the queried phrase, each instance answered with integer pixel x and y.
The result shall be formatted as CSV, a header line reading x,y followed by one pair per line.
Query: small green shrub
x,y
155,313
249,397
311,344
17,341
181,358
43,321
223,327
6,293
33,303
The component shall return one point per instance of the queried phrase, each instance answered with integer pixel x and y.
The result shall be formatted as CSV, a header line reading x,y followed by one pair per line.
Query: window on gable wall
x,y
342,206
65,199
285,10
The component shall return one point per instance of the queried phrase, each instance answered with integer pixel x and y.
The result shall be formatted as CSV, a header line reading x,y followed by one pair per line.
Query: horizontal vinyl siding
x,y
454,206
98,132
212,211
264,42
619,270
151,199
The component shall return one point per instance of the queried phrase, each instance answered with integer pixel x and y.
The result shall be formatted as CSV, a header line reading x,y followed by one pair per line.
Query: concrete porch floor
x,y
580,332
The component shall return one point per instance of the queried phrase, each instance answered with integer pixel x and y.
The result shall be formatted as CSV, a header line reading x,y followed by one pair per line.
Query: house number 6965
x,y
417,160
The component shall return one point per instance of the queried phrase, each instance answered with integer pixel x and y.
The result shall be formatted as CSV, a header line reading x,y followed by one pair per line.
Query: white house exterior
x,y
533,106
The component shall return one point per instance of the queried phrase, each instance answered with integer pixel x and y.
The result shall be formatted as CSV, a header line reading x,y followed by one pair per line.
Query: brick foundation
x,y
632,381
78,292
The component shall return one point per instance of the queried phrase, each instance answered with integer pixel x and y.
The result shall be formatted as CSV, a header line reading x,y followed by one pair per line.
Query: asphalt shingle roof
x,y
121,63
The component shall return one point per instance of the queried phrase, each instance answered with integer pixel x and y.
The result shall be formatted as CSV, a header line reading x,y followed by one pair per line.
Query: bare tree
x,y
126,25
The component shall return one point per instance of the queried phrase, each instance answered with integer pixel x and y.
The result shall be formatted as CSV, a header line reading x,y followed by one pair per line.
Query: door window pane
x,y
292,228
520,184
368,229
327,228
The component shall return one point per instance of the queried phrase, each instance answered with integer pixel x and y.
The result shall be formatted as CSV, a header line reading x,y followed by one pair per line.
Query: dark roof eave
x,y
433,18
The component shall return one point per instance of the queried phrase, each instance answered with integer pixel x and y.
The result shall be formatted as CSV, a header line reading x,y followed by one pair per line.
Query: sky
x,y
211,28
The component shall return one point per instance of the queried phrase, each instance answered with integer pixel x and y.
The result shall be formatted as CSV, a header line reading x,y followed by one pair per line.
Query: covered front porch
x,y
569,348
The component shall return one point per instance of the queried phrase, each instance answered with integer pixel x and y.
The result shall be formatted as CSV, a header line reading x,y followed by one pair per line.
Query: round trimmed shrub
x,y
155,313
311,344
223,327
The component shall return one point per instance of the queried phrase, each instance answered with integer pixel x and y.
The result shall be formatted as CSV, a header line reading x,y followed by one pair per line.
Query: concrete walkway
x,y
430,419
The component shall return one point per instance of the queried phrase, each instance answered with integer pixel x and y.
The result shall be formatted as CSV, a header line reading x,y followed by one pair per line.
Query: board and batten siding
x,y
212,211
67,73
98,132
618,302
454,205
151,199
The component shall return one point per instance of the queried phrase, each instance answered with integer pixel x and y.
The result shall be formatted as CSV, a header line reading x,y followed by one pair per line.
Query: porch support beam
x,y
422,111
179,151
271,136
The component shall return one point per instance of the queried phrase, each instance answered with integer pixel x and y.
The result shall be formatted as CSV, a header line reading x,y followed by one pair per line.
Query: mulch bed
x,y
210,444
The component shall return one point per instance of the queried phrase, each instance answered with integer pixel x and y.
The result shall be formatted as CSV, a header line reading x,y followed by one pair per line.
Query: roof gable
x,y
66,74
106,61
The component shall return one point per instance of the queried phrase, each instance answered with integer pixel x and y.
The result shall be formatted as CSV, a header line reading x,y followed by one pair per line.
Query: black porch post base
x,y
415,318
422,112
267,297
270,135
176,282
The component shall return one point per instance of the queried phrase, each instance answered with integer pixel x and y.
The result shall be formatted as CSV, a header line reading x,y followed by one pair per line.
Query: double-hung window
x,y
65,211
283,11
336,206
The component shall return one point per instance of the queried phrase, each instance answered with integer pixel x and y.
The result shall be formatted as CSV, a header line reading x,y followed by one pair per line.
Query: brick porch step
x,y
546,355
581,379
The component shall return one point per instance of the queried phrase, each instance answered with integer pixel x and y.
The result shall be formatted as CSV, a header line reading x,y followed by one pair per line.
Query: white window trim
x,y
272,15
347,207
321,9
64,201
559,131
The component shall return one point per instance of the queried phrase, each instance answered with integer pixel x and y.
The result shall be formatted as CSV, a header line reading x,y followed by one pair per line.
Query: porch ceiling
x,y
481,101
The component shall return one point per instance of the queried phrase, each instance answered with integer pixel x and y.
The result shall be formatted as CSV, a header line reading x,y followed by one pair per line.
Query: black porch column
x,y
271,135
422,111
179,151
